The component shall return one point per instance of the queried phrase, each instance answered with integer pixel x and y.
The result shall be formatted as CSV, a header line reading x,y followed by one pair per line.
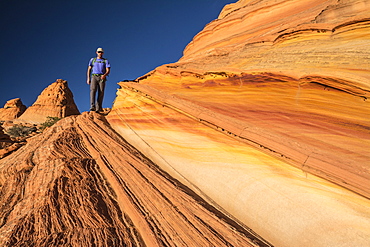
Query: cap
x,y
100,49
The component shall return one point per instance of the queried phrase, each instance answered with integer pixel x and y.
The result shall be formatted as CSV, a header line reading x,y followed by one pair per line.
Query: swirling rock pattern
x,y
81,184
327,38
290,76
256,184
268,94
286,78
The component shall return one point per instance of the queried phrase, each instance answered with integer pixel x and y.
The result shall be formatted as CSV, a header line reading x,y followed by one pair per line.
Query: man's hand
x,y
103,77
88,75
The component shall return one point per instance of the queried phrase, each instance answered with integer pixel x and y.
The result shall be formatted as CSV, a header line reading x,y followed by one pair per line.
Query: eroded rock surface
x,y
328,38
54,101
81,184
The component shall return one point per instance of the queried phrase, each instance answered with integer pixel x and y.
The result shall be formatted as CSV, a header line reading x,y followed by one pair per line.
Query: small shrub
x,y
49,122
20,130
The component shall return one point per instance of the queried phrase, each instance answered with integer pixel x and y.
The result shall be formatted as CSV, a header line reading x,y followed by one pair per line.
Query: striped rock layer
x,y
258,136
81,184
266,115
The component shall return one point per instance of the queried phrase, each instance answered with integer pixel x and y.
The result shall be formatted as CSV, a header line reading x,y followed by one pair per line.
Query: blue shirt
x,y
99,66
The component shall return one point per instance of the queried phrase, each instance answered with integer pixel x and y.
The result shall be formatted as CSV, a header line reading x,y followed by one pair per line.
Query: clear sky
x,y
42,41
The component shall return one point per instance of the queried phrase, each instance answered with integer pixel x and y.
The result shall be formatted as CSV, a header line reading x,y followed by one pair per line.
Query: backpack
x,y
94,60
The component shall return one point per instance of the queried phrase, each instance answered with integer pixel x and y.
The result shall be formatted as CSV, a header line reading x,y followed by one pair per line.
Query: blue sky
x,y
42,41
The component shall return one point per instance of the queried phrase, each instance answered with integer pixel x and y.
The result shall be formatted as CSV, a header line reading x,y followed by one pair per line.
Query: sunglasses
x,y
100,52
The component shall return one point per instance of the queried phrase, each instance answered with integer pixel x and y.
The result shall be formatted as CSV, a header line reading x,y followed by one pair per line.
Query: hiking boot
x,y
92,109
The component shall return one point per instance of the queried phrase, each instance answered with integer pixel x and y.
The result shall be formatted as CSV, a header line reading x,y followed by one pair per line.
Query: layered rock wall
x,y
296,38
283,74
257,185
284,78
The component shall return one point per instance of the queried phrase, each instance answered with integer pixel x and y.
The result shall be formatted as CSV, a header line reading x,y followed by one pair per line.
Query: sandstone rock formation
x,y
325,38
12,109
54,101
80,184
266,67
285,205
287,83
258,136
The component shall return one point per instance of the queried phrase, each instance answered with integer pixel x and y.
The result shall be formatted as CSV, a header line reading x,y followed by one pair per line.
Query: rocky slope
x,y
80,184
54,101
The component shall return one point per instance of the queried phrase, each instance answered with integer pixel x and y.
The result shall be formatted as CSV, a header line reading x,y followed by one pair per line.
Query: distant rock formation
x,y
12,109
55,101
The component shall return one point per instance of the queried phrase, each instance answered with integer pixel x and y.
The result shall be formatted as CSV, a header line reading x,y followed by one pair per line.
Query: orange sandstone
x,y
296,38
287,84
54,101
285,205
289,76
81,184
12,109
261,129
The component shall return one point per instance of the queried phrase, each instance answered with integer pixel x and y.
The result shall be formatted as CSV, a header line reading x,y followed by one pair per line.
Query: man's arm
x,y
88,74
107,71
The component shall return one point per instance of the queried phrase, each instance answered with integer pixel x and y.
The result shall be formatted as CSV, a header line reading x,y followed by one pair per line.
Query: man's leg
x,y
93,88
101,88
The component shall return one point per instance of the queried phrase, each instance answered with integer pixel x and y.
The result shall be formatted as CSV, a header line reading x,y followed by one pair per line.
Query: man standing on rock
x,y
97,71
